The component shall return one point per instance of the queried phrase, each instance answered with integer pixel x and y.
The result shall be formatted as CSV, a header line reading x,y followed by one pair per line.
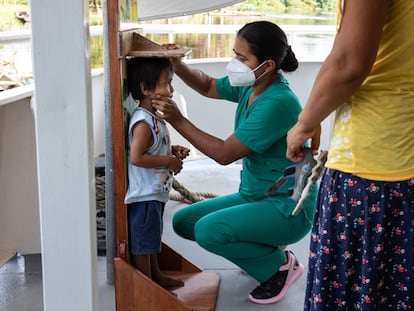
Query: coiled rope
x,y
186,196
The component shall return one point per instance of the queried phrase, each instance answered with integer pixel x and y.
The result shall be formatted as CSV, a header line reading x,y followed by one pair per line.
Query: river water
x,y
311,38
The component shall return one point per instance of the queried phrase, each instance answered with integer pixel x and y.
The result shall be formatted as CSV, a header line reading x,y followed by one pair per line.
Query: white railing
x,y
291,30
309,42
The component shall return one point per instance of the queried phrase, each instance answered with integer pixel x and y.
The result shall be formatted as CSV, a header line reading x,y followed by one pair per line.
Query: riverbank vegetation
x,y
287,6
11,8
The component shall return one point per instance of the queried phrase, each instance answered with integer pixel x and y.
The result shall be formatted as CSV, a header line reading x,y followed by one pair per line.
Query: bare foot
x,y
166,281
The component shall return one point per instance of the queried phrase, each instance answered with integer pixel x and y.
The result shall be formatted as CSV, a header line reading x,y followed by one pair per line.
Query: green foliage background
x,y
8,9
289,6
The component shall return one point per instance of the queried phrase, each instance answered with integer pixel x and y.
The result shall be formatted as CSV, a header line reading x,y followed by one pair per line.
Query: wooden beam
x,y
117,124
133,290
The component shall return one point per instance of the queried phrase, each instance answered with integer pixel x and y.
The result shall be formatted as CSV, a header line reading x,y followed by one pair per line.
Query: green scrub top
x,y
263,127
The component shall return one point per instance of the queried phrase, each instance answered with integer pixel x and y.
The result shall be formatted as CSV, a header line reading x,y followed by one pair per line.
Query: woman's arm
x,y
350,61
222,151
196,79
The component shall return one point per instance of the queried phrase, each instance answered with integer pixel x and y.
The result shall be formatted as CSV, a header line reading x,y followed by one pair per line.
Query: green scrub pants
x,y
247,233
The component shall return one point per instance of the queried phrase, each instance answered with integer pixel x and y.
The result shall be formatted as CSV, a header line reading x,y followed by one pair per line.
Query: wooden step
x,y
134,291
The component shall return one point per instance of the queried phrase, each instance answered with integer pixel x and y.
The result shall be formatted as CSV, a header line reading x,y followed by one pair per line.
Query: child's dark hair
x,y
268,41
146,71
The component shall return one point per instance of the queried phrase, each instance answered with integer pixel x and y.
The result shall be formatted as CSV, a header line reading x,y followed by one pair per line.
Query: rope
x,y
313,178
186,196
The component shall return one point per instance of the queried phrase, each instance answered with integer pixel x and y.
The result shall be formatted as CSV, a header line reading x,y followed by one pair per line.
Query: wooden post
x,y
117,124
133,290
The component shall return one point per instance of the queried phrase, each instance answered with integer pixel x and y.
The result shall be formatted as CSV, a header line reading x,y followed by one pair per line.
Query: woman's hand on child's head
x,y
175,164
180,152
175,61
173,46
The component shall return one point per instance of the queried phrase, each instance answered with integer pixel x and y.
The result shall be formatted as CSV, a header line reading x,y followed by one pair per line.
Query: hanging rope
x,y
186,196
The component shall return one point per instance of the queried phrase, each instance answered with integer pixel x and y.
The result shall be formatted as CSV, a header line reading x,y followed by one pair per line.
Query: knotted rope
x,y
186,196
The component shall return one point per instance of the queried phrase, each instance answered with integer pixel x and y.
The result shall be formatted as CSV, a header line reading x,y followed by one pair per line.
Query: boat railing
x,y
291,30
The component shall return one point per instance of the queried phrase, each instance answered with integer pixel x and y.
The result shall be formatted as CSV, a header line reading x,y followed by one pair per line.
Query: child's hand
x,y
175,165
180,152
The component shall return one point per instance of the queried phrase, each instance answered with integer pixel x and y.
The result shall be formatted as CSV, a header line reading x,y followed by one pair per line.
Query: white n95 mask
x,y
240,74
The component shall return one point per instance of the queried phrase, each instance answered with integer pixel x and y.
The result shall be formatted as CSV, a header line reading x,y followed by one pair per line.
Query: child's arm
x,y
141,140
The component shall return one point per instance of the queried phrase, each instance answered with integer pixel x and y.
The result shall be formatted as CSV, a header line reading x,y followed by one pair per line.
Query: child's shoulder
x,y
140,113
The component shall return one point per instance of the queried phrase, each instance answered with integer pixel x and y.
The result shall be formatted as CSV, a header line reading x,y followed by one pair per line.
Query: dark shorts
x,y
145,227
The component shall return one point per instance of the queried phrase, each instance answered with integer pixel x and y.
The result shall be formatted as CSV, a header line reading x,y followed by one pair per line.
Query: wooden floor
x,y
200,290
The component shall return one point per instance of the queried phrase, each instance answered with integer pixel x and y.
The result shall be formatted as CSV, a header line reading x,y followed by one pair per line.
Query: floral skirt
x,y
362,245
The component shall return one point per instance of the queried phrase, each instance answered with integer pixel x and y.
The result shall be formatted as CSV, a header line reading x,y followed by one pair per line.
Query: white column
x,y
63,107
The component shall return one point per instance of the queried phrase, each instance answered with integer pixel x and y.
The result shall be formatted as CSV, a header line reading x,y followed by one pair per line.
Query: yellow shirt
x,y
374,131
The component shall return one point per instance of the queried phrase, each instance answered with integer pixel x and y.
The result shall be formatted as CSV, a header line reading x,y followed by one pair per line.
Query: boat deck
x,y
21,277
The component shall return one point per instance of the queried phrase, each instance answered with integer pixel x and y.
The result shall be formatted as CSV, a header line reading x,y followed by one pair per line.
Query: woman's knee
x,y
177,221
182,226
211,235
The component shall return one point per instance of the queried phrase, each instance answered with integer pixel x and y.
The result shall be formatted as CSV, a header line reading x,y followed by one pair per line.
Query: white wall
x,y
98,102
217,116
19,209
19,206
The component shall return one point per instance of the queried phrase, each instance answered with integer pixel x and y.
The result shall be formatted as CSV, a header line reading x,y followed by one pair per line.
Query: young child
x,y
152,163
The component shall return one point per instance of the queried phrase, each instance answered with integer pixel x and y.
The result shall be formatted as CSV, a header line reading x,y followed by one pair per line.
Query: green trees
x,y
327,4
284,6
94,5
